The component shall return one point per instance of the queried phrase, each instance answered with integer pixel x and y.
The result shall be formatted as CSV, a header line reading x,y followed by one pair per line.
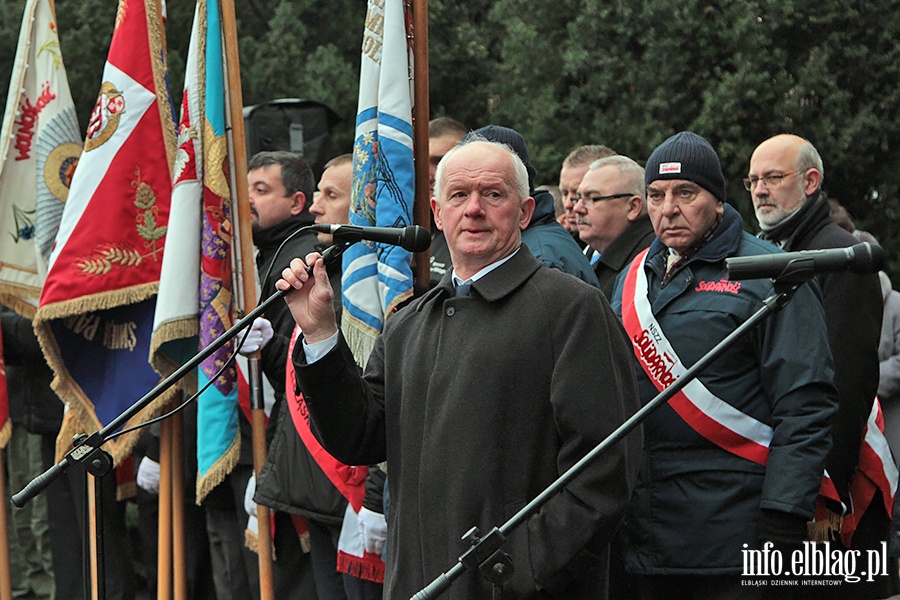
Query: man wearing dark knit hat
x,y
735,461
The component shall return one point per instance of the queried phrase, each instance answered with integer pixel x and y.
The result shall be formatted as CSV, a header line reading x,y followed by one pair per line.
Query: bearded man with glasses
x,y
785,183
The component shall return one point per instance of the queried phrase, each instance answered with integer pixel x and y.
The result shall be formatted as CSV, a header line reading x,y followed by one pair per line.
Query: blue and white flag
x,y
378,277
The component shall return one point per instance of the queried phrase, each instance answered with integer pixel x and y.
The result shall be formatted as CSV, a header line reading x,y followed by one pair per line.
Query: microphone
x,y
861,258
413,238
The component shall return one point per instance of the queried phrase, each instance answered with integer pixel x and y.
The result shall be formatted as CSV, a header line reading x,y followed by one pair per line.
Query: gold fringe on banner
x,y
222,467
5,433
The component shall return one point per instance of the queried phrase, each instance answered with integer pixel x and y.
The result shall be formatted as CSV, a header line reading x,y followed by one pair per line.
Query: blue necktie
x,y
463,288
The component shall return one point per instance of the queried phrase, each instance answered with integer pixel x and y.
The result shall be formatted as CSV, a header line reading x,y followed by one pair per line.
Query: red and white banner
x,y
96,307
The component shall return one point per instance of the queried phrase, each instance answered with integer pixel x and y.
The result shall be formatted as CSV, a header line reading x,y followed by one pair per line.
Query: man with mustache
x,y
611,215
573,169
735,460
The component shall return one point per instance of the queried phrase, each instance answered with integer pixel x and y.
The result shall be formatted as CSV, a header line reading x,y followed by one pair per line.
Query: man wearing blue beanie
x,y
734,462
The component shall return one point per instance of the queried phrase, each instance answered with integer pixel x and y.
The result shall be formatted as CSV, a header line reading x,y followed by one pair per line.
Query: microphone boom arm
x,y
90,445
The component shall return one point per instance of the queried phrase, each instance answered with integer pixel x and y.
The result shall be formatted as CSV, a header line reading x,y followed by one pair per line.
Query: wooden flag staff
x,y
248,281
421,115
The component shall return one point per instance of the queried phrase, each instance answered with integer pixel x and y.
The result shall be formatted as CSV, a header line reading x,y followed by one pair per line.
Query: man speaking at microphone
x,y
735,460
479,394
785,183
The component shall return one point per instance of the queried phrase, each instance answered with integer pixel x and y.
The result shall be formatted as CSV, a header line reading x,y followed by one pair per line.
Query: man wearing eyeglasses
x,y
611,215
572,172
785,183
735,460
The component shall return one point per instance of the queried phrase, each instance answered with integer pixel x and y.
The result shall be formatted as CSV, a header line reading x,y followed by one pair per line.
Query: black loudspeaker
x,y
293,124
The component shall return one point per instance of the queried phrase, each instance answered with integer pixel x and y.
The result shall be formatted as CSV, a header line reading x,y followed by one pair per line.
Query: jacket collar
x,y
500,282
543,209
795,232
271,237
622,249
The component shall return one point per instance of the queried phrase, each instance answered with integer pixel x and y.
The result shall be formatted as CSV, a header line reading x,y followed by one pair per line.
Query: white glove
x,y
373,528
249,504
259,335
148,475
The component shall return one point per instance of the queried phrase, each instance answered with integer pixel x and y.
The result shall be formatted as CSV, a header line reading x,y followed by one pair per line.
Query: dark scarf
x,y
269,238
690,252
797,229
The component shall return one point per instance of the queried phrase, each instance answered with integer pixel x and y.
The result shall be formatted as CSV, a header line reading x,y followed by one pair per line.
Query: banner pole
x,y
421,116
247,278
164,563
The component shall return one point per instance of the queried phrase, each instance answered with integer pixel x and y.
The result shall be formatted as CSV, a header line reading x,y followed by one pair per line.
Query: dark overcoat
x,y
478,403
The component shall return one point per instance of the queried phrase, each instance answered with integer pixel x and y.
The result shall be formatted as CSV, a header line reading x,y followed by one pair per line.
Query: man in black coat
x,y
785,182
480,394
611,215
291,480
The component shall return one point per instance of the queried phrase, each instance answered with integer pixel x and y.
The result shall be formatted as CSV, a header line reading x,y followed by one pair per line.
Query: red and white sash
x,y
734,431
349,480
707,414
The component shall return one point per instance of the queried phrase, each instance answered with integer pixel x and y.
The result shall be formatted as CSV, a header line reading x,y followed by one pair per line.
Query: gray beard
x,y
787,217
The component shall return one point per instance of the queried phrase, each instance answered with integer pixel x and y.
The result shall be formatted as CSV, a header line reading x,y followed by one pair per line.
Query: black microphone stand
x,y
87,449
485,553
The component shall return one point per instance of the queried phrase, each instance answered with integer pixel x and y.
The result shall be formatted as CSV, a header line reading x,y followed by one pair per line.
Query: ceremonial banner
x,y
39,148
218,438
876,476
378,277
196,303
97,303
176,322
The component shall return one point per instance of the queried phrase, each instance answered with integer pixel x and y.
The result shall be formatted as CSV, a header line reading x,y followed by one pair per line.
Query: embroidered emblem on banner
x,y
60,167
105,116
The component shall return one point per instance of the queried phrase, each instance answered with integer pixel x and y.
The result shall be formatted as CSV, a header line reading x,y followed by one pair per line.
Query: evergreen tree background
x,y
625,73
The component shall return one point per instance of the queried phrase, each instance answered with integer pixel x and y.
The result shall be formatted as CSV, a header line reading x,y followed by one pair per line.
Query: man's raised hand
x,y
311,299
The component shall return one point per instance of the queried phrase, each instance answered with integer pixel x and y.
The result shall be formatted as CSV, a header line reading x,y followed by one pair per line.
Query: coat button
x,y
451,311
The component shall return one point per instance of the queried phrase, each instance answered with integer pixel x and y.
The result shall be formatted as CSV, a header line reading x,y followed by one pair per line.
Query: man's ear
x,y
527,212
812,180
436,211
635,205
298,203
